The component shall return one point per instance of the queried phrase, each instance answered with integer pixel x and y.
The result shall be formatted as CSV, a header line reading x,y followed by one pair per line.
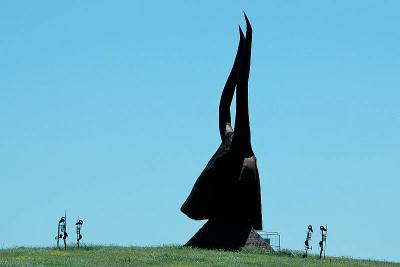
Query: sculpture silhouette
x,y
322,243
227,192
307,245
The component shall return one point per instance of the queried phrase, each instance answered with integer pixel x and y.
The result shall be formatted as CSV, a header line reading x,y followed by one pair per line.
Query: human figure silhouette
x,y
62,231
228,189
308,239
323,240
78,225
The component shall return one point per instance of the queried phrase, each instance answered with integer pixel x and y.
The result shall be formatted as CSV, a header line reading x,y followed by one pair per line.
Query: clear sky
x,y
108,109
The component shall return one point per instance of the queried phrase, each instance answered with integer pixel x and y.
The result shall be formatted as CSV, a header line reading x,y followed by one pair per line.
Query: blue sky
x,y
108,109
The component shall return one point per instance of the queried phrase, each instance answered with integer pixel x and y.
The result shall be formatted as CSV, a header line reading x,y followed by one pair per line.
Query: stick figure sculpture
x,y
227,192
62,231
322,243
307,245
78,225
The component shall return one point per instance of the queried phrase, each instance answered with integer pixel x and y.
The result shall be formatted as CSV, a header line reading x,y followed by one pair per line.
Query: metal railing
x,y
273,239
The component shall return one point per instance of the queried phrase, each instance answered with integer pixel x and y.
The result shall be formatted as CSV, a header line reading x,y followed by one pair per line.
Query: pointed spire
x,y
248,25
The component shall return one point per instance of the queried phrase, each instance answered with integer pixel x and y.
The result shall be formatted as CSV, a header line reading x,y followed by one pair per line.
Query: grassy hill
x,y
165,256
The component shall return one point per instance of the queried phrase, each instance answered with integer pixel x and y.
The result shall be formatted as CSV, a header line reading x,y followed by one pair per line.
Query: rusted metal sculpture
x,y
227,192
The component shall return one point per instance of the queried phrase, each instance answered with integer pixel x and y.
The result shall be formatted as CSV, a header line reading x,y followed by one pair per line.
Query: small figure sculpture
x,y
308,240
78,225
62,231
322,243
227,192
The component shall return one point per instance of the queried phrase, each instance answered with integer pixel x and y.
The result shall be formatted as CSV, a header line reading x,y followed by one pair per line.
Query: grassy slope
x,y
164,256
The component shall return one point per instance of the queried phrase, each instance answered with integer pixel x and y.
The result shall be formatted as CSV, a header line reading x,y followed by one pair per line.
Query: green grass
x,y
166,256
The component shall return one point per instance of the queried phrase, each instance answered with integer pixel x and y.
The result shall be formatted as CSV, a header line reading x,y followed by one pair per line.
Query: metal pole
x,y
58,236
65,231
279,240
78,233
326,227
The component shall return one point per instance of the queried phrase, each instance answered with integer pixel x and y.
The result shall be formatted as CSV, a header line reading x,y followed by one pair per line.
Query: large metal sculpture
x,y
227,192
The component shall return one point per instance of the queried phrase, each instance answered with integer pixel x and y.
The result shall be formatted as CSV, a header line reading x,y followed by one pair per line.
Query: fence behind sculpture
x,y
272,238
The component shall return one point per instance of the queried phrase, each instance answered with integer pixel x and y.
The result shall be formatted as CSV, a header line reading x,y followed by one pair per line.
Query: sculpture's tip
x,y
245,16
241,33
248,25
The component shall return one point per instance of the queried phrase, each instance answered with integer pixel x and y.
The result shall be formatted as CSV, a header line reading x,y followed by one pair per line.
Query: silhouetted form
x,y
62,231
227,192
78,225
308,240
322,243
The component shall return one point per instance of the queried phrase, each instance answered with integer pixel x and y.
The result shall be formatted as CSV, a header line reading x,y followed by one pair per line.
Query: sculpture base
x,y
227,235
